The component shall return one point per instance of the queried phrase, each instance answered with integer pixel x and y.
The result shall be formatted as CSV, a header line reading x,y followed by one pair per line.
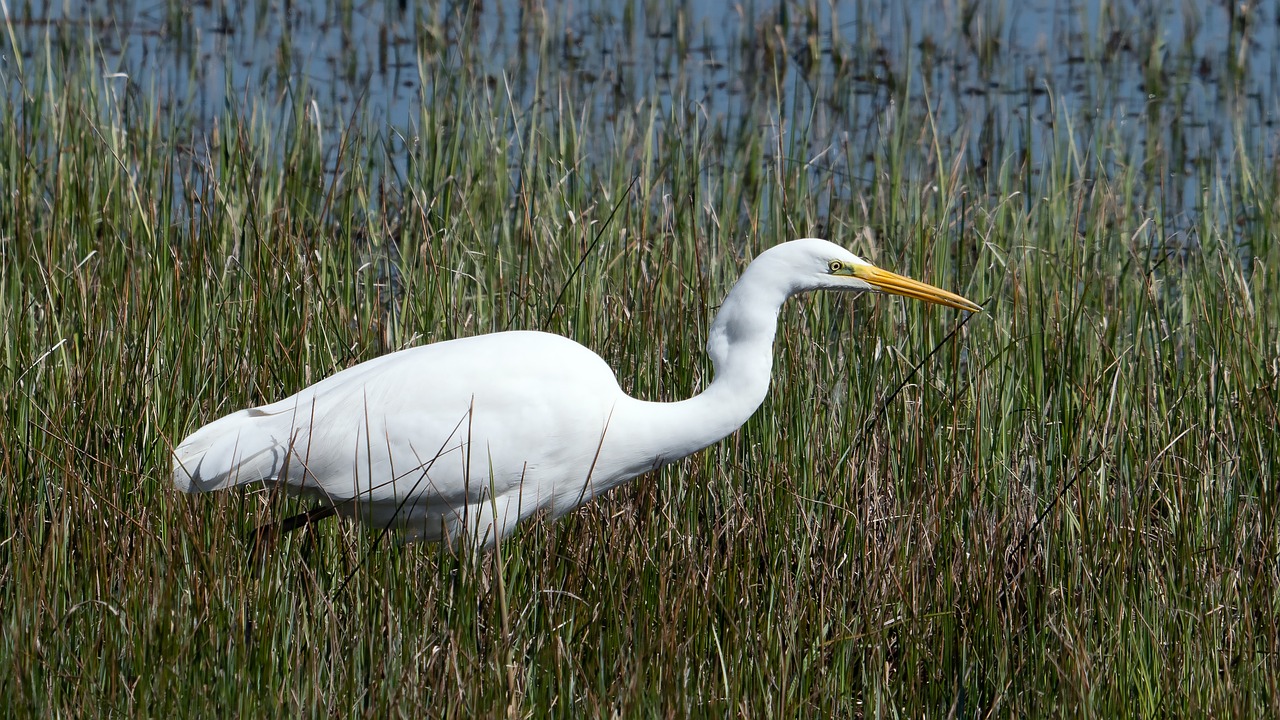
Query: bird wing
x,y
439,425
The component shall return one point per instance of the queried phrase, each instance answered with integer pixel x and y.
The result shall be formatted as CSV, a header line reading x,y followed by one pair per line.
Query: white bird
x,y
461,440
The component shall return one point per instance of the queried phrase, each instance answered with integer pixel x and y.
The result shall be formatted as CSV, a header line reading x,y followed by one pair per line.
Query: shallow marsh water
x,y
1180,87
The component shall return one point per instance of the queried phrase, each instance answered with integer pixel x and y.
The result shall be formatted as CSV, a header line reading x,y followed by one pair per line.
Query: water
x,y
1185,85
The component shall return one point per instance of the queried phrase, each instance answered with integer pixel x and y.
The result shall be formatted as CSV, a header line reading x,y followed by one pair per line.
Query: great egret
x,y
461,440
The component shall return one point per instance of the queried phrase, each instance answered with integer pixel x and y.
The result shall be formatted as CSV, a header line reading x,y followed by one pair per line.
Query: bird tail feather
x,y
240,448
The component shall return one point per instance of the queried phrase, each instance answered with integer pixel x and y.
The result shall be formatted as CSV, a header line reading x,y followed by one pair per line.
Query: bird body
x,y
460,440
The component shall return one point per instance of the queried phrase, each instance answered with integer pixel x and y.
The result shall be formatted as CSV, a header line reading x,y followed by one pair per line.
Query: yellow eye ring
x,y
835,266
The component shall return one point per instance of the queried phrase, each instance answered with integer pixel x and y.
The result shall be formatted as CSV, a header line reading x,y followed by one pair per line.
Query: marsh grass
x,y
1067,510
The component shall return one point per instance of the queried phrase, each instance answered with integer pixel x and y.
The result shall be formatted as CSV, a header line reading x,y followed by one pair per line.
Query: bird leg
x,y
267,535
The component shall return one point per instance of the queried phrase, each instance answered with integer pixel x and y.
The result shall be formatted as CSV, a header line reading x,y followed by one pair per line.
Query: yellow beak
x,y
895,284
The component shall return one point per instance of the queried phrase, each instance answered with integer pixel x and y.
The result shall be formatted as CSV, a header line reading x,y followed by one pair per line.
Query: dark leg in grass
x,y
265,536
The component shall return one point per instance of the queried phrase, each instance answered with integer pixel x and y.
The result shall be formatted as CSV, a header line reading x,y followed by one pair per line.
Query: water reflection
x,y
821,80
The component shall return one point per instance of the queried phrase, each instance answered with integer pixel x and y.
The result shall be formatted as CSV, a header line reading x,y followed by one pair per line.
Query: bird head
x,y
821,265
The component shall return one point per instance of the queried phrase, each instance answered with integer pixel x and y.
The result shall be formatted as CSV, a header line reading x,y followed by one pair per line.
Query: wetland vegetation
x,y
1063,506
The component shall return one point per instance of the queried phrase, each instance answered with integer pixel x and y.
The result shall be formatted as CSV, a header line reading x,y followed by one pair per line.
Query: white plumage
x,y
460,440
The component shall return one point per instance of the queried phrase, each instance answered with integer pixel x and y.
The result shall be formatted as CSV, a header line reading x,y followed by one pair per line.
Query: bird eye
x,y
835,266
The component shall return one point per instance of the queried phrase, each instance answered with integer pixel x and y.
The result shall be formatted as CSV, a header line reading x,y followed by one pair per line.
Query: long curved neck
x,y
741,348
